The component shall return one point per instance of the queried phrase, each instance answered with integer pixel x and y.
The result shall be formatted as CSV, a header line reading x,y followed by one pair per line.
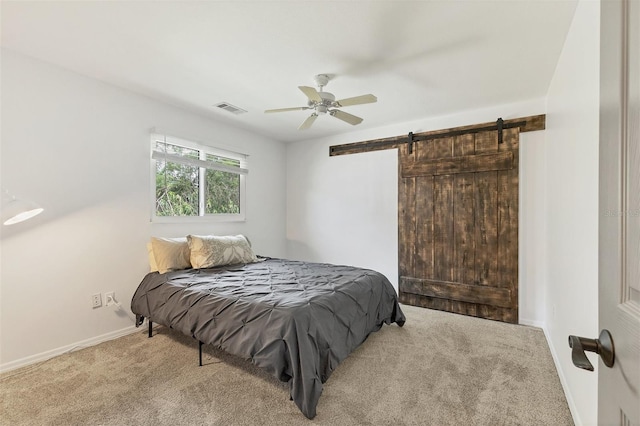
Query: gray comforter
x,y
296,320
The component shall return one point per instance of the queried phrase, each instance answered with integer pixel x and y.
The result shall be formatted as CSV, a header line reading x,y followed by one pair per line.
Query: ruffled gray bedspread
x,y
296,320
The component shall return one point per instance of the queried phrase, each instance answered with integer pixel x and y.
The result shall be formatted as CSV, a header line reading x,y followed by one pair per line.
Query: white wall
x,y
572,205
343,209
80,148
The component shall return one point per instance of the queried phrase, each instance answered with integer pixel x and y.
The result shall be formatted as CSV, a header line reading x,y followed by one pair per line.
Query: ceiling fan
x,y
325,102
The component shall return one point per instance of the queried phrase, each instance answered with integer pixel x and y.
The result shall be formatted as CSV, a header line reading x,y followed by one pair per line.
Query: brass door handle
x,y
603,346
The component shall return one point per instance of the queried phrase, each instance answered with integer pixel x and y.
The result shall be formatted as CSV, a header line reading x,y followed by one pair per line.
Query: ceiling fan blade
x,y
308,122
286,109
310,93
357,100
346,117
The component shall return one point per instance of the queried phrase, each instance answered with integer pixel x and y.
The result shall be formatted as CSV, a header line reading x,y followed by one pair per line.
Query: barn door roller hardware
x,y
410,143
499,127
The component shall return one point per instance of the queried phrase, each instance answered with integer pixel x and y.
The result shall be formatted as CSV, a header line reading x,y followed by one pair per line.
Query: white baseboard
x,y
563,380
32,359
532,323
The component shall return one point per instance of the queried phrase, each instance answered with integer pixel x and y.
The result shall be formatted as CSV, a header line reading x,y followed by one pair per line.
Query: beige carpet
x,y
440,369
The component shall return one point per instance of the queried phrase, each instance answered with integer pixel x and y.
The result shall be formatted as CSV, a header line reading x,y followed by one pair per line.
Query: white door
x,y
619,243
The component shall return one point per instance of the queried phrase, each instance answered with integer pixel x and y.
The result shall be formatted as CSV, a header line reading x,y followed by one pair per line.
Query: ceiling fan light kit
x,y
324,102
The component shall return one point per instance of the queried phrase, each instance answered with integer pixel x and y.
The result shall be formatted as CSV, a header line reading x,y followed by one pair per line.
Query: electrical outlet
x,y
96,300
110,298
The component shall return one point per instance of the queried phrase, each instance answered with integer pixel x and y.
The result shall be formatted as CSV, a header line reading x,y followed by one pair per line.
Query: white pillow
x,y
209,251
170,254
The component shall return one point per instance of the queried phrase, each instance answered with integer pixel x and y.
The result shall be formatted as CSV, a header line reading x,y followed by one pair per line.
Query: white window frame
x,y
203,149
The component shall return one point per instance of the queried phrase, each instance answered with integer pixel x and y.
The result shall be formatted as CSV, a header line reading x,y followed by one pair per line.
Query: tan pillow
x,y
152,260
170,254
209,251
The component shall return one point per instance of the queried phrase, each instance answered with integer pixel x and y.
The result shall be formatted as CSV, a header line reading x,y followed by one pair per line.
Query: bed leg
x,y
200,351
150,328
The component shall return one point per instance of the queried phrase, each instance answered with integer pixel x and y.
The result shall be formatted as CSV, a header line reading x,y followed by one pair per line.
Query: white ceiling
x,y
420,58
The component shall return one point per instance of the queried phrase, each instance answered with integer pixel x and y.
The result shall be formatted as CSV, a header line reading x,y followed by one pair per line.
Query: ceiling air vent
x,y
231,108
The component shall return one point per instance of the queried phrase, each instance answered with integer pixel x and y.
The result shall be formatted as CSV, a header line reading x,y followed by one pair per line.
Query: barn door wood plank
x,y
429,150
486,227
442,215
464,308
443,227
475,163
464,229
493,296
508,224
406,219
464,225
510,141
439,148
464,145
463,164
486,142
424,220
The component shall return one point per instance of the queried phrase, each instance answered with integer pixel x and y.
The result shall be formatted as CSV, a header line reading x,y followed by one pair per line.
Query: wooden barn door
x,y
458,224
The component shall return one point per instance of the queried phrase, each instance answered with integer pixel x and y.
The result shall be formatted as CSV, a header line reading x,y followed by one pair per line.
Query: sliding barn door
x,y
458,224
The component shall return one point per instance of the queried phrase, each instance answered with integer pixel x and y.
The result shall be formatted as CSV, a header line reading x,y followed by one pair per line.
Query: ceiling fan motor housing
x,y
328,100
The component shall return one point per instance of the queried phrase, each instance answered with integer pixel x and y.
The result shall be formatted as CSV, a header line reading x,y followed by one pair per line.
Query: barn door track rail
x,y
499,126
525,124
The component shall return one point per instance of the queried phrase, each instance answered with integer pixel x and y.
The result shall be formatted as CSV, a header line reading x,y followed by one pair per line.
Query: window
x,y
190,180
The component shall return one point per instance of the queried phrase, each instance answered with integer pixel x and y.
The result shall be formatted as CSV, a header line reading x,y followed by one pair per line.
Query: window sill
x,y
198,219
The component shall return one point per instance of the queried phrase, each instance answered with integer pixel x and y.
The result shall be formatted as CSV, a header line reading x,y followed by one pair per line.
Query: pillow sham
x,y
152,260
210,251
170,254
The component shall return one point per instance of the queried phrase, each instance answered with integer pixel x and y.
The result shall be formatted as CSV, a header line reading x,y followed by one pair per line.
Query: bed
x,y
296,320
